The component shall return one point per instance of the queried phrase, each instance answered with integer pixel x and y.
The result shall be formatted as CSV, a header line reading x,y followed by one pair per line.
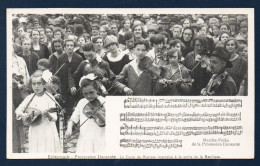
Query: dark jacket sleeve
x,y
229,89
79,72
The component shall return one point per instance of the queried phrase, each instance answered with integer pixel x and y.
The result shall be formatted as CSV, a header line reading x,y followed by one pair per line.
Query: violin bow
x,y
78,128
61,122
197,64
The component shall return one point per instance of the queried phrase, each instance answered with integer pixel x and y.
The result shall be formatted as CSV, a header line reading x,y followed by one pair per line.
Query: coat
x,y
31,61
239,70
227,87
67,84
141,85
200,75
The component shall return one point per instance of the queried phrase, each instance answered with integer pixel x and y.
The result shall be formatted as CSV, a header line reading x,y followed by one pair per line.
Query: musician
x,y
197,62
176,79
156,54
97,64
136,79
43,135
221,83
92,130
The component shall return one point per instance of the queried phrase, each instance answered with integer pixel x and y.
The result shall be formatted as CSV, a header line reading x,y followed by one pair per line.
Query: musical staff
x,y
172,130
135,102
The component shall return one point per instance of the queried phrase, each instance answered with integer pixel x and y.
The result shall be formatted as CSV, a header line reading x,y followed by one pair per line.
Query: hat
x,y
232,21
240,38
146,16
51,22
35,20
221,53
90,76
23,20
194,25
137,16
110,40
243,24
151,28
57,22
77,21
165,21
94,25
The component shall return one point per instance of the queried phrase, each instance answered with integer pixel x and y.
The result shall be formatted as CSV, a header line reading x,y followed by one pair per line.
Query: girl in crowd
x,y
98,42
242,51
186,23
129,44
92,133
223,36
198,63
150,32
103,31
138,32
41,49
177,44
186,38
176,78
203,31
126,28
43,136
69,30
94,30
30,58
215,33
116,60
58,34
80,42
57,44
224,27
239,70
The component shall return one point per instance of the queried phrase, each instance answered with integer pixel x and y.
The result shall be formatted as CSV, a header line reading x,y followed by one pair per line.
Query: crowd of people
x,y
75,60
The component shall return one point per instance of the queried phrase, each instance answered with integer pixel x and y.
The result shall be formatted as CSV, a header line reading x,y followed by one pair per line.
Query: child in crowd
x,y
90,112
43,136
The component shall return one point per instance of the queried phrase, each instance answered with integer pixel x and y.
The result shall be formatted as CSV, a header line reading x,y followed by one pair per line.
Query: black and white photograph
x,y
65,65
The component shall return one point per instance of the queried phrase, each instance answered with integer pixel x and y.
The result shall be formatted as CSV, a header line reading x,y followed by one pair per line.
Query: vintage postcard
x,y
130,83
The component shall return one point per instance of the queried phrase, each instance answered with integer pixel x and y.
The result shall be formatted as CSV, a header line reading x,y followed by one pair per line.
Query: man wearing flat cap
x,y
221,83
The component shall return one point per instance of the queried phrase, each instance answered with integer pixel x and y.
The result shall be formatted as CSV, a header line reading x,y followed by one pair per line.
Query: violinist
x,y
156,54
221,83
197,62
90,112
96,63
137,79
176,79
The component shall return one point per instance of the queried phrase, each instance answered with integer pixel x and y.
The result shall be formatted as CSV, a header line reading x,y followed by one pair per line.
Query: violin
x,y
147,64
51,86
96,112
171,82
